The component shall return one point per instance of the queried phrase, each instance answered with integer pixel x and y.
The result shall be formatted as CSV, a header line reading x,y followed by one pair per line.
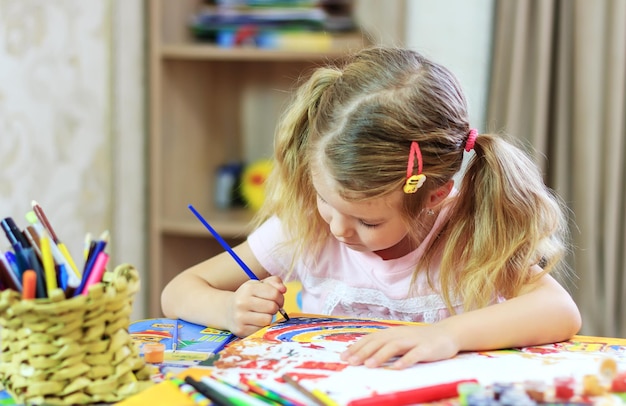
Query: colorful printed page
x,y
182,340
308,348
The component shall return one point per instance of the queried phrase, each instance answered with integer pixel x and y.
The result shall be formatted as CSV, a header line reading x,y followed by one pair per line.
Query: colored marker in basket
x,y
48,263
29,283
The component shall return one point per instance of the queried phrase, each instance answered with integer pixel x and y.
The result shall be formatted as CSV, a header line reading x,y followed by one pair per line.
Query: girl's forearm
x,y
543,316
191,298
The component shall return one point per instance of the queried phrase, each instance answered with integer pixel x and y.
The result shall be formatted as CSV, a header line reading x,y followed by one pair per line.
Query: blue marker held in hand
x,y
232,253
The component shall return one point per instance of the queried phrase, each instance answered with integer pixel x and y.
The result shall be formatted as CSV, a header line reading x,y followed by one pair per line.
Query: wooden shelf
x,y
199,51
228,223
208,106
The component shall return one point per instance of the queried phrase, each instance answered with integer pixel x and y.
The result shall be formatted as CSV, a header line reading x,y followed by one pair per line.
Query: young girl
x,y
362,209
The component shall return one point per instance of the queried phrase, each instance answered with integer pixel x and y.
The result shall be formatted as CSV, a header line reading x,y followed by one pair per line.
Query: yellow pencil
x,y
323,397
296,385
69,259
48,263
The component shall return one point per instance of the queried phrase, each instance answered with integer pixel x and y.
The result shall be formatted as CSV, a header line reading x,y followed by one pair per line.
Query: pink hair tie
x,y
471,139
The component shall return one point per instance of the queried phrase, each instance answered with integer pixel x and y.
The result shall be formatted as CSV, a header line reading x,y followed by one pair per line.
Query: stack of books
x,y
272,24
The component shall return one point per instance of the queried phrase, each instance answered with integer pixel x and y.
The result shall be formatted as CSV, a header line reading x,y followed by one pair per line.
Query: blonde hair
x,y
358,121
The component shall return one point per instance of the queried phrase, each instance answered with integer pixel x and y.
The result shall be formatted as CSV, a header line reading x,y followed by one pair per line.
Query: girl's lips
x,y
351,244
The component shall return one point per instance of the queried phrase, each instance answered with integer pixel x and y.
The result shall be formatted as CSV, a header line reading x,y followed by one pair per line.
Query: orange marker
x,y
29,283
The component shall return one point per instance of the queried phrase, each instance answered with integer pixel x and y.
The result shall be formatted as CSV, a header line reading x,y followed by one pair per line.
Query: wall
x,y
457,34
71,120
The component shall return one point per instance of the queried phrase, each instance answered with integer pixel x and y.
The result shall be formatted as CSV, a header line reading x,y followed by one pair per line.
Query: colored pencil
x,y
232,253
37,229
263,393
46,223
196,396
233,395
321,395
217,397
425,394
241,388
296,385
270,394
33,238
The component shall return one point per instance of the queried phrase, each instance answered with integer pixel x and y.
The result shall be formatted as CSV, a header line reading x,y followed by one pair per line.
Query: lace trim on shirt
x,y
344,299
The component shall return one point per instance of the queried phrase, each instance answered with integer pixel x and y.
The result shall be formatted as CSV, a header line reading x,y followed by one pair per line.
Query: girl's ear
x,y
439,194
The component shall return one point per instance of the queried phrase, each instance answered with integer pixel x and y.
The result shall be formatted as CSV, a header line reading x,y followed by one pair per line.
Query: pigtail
x,y
289,190
504,221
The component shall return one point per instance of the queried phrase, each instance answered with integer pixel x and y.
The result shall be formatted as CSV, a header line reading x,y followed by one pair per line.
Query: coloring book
x,y
308,348
183,341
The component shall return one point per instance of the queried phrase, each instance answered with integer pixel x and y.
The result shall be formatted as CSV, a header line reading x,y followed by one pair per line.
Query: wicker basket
x,y
72,351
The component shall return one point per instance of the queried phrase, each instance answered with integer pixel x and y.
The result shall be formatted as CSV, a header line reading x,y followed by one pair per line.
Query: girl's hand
x,y
412,344
254,305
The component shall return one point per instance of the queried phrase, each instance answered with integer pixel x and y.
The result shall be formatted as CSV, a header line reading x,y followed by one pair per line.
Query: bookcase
x,y
208,106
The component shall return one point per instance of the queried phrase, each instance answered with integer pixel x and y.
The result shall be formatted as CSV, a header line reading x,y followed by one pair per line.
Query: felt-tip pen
x,y
13,233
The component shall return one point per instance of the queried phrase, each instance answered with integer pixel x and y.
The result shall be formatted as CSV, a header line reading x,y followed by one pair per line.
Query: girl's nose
x,y
340,227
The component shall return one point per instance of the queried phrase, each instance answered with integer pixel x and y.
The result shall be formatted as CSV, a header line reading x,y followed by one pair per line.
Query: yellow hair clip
x,y
414,182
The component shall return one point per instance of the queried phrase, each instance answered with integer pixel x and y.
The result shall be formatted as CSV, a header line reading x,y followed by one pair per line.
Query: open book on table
x,y
184,341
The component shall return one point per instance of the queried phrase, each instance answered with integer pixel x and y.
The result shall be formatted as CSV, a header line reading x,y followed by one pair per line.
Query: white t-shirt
x,y
344,282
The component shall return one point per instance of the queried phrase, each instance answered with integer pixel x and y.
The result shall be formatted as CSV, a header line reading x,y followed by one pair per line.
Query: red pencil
x,y
412,396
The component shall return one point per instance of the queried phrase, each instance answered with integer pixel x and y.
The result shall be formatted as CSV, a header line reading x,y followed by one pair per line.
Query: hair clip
x,y
414,182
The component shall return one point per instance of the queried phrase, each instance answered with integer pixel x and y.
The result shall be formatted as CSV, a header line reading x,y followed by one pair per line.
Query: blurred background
x,y
115,114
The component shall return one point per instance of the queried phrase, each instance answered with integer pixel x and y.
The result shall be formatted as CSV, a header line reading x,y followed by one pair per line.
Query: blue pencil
x,y
232,253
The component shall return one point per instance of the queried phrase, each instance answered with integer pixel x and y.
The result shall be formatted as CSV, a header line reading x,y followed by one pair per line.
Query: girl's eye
x,y
363,223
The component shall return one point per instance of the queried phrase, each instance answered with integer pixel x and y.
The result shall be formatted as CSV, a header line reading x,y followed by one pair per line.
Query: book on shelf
x,y
290,26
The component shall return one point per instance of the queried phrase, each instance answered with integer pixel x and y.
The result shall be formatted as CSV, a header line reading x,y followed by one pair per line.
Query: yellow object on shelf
x,y
253,182
302,41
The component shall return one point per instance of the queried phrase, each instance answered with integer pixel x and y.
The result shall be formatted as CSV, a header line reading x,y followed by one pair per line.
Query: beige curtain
x,y
559,80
